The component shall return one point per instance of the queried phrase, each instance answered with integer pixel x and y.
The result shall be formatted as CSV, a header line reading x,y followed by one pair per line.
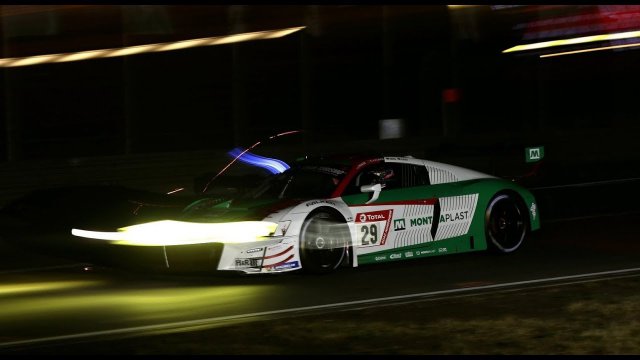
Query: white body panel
x,y
395,225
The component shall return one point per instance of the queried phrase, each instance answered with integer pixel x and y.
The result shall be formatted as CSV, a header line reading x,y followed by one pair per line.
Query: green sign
x,y
534,154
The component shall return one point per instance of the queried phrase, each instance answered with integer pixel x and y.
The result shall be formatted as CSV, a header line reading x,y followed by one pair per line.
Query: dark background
x,y
438,68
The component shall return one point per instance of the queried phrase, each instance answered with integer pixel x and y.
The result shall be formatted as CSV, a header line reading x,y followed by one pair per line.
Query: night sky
x,y
351,67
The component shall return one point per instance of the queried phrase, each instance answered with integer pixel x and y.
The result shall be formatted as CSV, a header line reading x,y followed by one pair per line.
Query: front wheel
x,y
324,241
506,225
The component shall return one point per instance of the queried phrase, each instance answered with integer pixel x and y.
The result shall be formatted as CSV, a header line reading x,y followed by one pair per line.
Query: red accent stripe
x,y
352,173
386,228
279,263
431,201
278,254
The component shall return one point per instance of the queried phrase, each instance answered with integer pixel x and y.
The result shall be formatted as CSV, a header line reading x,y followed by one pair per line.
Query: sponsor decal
x,y
534,154
533,210
454,216
399,224
408,254
381,215
288,265
395,158
395,256
254,250
250,262
369,225
442,250
424,252
424,220
380,258
316,202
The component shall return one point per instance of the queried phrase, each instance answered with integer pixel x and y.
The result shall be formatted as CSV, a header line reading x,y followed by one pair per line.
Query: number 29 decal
x,y
373,227
369,234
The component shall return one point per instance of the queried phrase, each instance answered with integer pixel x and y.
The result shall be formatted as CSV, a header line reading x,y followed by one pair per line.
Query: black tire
x,y
324,240
506,224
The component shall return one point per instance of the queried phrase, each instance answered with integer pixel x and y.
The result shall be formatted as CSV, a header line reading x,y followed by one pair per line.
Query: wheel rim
x,y
506,226
323,243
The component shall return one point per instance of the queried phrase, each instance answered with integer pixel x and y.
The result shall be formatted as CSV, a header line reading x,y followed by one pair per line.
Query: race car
x,y
324,213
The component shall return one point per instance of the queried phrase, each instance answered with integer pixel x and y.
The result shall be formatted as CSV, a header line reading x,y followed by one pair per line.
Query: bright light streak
x,y
274,166
139,49
589,50
206,187
453,7
175,191
170,232
14,289
573,41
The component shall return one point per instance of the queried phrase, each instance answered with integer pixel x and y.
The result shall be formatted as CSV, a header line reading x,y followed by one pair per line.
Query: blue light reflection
x,y
274,166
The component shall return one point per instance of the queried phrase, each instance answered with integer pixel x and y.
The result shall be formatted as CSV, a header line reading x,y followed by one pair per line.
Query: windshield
x,y
306,182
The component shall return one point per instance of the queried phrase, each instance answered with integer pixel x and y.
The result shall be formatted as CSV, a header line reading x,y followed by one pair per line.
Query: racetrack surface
x,y
52,305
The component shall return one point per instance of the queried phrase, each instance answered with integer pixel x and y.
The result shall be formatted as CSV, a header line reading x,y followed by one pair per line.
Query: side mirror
x,y
374,188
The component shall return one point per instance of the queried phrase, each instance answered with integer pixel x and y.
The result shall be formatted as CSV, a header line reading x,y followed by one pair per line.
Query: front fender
x,y
290,220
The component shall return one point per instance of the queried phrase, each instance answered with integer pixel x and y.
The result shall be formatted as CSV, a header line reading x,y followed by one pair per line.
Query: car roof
x,y
346,160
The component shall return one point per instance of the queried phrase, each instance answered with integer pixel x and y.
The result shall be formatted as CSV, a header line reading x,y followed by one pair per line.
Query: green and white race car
x,y
324,213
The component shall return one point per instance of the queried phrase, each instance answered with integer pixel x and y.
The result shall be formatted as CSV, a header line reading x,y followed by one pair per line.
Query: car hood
x,y
236,210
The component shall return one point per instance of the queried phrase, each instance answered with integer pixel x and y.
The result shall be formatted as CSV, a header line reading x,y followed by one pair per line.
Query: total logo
x,y
372,217
382,215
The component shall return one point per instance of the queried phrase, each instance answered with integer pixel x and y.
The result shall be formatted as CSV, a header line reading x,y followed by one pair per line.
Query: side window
x,y
365,177
412,175
400,176
392,175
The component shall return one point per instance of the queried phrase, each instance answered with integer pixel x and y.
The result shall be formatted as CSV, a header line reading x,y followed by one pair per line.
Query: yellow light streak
x,y
148,304
140,49
573,41
170,232
590,50
14,289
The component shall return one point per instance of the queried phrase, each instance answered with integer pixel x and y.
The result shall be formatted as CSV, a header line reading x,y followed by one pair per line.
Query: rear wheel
x,y
506,225
324,241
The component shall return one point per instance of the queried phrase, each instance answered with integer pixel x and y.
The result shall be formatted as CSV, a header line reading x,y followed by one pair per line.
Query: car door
x,y
403,214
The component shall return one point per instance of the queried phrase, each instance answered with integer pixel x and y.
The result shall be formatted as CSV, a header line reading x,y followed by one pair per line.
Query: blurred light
x,y
589,50
139,49
451,95
453,7
572,41
503,7
14,289
206,187
175,191
391,128
274,166
170,232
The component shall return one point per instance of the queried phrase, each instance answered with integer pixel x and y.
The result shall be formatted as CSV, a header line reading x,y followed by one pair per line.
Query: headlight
x,y
169,232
